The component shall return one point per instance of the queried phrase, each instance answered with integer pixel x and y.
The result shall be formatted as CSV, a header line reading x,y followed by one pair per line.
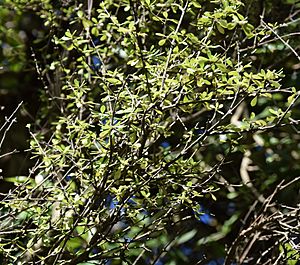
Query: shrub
x,y
147,103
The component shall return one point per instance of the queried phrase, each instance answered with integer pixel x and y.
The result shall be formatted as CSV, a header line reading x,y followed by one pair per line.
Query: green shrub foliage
x,y
144,105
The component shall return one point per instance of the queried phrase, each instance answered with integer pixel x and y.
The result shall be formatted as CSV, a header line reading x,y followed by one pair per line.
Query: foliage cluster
x,y
152,113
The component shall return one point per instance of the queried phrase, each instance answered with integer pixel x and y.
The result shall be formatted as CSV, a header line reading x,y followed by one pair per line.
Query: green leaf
x,y
17,179
68,34
105,133
290,99
248,29
102,109
80,14
74,243
86,23
162,42
220,29
114,81
186,237
253,102
274,112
